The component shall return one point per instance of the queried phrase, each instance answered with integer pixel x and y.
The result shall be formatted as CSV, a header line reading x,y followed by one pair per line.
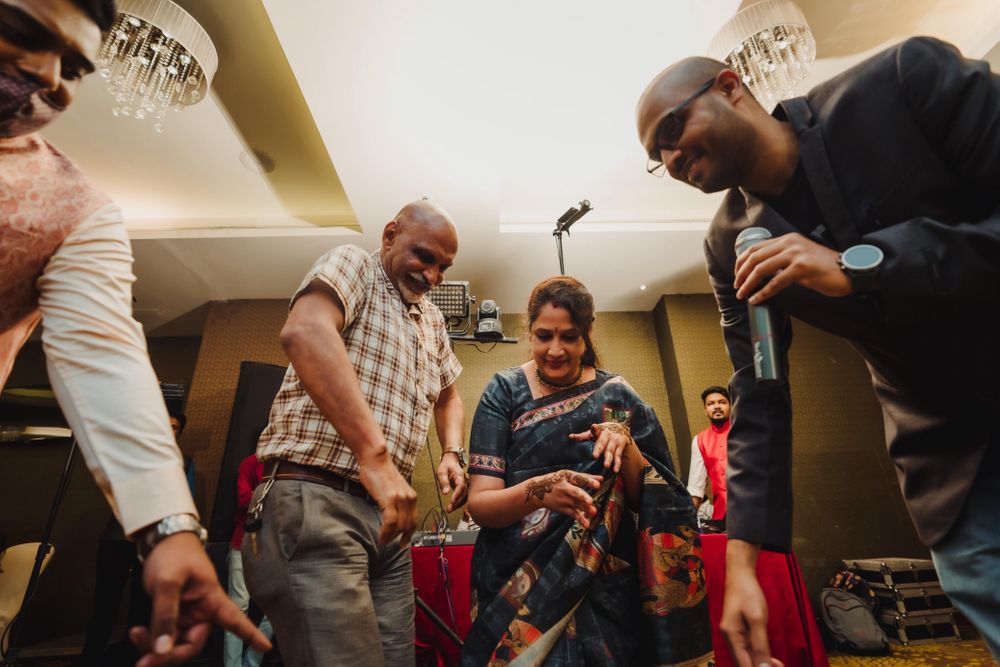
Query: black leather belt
x,y
288,470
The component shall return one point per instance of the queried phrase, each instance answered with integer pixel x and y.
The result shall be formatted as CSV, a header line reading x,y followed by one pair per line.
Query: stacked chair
x,y
913,609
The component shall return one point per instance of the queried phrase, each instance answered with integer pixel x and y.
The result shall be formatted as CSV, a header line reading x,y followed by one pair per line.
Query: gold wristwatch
x,y
457,451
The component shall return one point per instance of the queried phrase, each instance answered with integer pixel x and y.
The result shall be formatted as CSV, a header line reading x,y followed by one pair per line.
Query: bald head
x,y
700,122
668,89
424,213
418,245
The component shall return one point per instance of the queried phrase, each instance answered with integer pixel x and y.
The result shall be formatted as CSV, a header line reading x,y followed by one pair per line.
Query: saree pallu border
x,y
629,590
671,581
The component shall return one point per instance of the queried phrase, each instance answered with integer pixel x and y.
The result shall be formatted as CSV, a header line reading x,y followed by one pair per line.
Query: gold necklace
x,y
553,385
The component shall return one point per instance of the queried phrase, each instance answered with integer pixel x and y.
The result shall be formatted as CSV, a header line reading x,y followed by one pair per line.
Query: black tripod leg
x,y
437,620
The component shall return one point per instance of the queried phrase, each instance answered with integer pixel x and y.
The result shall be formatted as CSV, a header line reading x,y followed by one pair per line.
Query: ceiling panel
x,y
505,113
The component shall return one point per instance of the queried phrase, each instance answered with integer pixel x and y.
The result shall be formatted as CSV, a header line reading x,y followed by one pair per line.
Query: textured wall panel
x,y
235,331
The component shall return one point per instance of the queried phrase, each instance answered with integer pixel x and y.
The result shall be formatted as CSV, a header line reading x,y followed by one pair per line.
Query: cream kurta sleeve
x,y
100,371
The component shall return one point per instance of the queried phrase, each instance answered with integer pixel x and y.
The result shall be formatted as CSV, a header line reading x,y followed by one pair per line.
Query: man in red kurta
x,y
708,456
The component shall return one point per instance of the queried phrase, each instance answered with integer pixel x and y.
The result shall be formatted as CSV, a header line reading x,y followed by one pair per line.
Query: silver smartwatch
x,y
861,263
165,527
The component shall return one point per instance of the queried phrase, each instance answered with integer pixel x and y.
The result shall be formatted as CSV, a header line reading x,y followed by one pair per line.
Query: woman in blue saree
x,y
588,552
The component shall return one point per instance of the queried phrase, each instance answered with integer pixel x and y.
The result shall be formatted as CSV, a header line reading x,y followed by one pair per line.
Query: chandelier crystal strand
x,y
770,46
156,58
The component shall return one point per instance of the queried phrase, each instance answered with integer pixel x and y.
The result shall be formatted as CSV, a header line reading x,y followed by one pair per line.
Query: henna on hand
x,y
619,428
614,427
539,487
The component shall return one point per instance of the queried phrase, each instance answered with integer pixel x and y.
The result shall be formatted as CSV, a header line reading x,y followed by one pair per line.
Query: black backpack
x,y
850,624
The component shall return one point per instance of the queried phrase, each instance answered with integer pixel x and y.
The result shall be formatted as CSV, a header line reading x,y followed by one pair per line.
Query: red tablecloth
x,y
791,628
433,646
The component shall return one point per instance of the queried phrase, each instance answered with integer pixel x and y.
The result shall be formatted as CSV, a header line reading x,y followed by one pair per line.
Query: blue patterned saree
x,y
630,590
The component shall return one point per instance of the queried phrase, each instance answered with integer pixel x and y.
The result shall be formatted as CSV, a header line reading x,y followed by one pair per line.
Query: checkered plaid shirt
x,y
402,357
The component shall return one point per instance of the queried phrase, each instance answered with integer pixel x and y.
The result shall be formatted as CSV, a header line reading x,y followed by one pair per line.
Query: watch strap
x,y
169,525
863,282
457,451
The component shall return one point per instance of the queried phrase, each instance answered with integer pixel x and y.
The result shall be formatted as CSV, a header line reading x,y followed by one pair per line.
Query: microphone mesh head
x,y
750,236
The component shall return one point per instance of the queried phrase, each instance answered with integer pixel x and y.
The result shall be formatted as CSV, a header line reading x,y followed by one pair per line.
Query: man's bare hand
x,y
395,498
187,601
451,477
744,612
788,259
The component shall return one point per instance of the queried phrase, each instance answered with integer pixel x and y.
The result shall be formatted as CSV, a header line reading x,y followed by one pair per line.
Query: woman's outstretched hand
x,y
565,491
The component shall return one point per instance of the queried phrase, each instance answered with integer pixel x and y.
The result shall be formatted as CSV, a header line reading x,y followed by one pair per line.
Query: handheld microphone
x,y
762,336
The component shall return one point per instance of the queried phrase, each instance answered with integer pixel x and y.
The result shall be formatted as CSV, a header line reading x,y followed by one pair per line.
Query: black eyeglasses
x,y
669,131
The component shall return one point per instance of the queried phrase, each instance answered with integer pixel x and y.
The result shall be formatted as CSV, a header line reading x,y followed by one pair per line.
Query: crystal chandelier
x,y
155,58
767,43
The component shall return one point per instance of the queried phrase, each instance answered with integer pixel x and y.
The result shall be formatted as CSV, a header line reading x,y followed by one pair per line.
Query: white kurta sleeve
x,y
698,476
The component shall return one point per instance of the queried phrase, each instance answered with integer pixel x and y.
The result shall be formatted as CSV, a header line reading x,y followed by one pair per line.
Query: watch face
x,y
862,257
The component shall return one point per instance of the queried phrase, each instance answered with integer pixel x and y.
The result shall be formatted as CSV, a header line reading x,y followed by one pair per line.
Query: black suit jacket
x,y
902,152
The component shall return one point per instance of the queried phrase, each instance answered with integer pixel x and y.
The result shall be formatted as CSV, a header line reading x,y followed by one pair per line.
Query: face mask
x,y
23,106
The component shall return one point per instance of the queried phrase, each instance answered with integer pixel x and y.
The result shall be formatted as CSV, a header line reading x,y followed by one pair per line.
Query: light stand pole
x,y
564,223
13,628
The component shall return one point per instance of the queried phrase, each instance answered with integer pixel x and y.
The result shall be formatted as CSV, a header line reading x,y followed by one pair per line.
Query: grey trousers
x,y
333,595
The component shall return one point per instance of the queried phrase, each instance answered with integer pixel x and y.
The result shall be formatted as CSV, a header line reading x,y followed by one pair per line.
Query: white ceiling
x,y
505,113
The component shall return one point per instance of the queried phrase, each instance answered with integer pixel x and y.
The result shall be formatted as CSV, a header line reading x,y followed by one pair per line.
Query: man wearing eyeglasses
x,y
882,190
65,261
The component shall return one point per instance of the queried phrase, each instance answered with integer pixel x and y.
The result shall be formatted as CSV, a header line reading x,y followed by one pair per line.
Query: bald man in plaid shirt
x,y
371,364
